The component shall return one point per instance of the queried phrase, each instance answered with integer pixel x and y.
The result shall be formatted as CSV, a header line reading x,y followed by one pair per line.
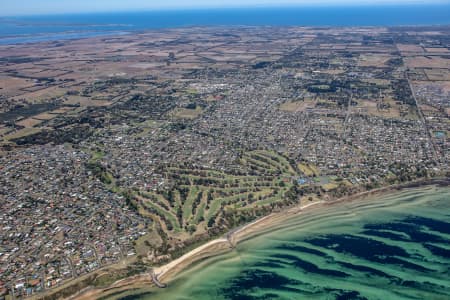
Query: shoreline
x,y
228,241
166,272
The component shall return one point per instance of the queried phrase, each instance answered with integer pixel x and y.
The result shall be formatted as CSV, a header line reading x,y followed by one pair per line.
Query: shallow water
x,y
389,247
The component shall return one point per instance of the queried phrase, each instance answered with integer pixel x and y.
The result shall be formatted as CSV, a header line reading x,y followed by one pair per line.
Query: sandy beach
x,y
217,246
214,247
167,272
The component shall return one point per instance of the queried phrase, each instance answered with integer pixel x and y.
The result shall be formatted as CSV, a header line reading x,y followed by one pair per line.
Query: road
x,y
423,120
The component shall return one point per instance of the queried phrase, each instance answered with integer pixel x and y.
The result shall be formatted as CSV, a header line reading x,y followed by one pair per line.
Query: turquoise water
x,y
59,27
391,247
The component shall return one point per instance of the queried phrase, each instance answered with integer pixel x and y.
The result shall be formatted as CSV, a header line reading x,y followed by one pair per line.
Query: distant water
x,y
392,247
57,27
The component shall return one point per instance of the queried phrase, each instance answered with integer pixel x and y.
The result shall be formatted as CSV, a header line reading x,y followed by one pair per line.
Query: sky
x,y
36,7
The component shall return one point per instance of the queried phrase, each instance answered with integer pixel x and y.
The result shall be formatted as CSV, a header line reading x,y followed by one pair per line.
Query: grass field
x,y
200,197
308,169
297,106
185,113
21,133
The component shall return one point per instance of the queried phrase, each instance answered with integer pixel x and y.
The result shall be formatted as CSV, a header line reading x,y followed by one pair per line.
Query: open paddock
x,y
371,108
12,86
85,101
427,62
373,60
298,106
438,74
377,81
43,95
428,109
45,116
409,48
437,50
4,130
50,73
21,133
185,113
29,122
61,110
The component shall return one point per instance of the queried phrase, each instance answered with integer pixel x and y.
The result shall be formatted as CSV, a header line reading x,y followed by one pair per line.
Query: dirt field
x,y
29,122
427,62
297,106
21,133
438,74
409,48
437,50
84,101
373,60
184,113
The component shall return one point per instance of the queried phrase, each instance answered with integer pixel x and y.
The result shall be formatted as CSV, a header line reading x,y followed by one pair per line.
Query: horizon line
x,y
231,7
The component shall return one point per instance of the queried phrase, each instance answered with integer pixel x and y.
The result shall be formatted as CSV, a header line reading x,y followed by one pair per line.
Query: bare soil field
x,y
84,101
29,122
298,106
438,74
437,50
427,62
409,48
373,60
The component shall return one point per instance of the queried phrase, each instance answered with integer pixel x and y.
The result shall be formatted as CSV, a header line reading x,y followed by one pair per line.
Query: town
x,y
130,149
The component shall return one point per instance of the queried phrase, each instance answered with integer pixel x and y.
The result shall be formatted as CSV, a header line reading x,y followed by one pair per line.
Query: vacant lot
x,y
185,113
297,106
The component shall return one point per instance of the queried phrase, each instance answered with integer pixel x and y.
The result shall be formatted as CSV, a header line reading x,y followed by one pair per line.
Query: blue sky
x,y
30,7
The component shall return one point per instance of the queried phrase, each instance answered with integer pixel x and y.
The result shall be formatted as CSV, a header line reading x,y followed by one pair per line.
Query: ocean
x,y
29,29
388,247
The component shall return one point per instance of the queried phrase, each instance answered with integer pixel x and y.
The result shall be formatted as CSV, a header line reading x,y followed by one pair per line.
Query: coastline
x,y
231,239
167,272
194,157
